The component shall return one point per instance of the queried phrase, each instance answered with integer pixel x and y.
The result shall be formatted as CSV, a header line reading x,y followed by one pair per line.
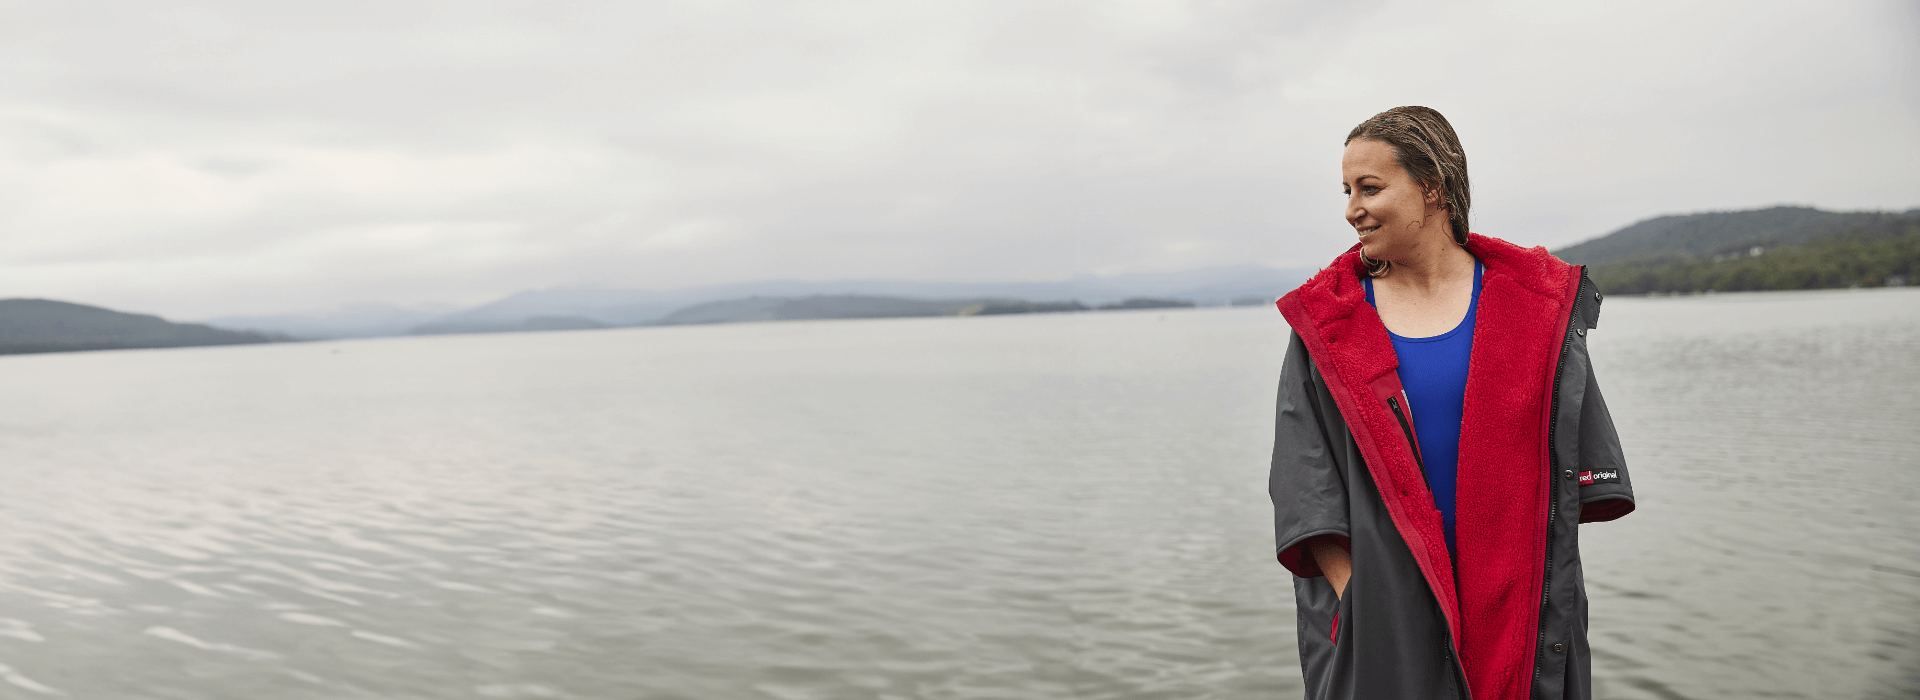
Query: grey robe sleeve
x,y
1308,490
1606,492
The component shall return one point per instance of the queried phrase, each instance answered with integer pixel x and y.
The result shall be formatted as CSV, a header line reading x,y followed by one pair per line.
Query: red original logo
x,y
1587,478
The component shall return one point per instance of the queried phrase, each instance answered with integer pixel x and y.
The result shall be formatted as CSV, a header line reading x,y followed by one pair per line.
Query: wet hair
x,y
1425,146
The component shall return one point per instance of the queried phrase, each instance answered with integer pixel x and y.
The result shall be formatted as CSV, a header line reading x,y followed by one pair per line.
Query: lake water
x,y
1060,506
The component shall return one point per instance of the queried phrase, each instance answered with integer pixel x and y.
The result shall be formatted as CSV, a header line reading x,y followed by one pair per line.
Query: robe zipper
x,y
1553,469
1407,428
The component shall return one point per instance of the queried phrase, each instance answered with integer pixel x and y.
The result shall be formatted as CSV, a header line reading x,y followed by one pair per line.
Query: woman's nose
x,y
1355,212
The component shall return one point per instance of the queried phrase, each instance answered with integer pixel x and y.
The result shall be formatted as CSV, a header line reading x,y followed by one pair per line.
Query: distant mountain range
x,y
1774,248
1689,252
570,308
43,325
858,306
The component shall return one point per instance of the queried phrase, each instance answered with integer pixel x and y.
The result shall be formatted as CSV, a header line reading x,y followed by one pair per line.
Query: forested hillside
x,y
44,325
1776,248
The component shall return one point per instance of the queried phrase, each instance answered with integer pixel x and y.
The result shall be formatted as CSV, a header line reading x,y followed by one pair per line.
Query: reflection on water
x,y
1042,506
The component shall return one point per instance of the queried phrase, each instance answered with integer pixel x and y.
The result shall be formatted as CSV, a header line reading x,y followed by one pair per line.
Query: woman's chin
x,y
1379,249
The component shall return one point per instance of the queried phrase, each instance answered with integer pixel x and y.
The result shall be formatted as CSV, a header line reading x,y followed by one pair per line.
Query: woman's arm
x,y
1334,561
1306,484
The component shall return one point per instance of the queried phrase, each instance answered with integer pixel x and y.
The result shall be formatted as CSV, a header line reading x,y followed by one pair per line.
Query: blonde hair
x,y
1425,146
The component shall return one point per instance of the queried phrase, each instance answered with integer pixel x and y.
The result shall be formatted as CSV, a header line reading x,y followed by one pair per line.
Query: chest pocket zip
x,y
1406,428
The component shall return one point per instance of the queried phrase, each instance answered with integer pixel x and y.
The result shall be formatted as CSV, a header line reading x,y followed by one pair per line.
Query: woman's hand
x,y
1334,561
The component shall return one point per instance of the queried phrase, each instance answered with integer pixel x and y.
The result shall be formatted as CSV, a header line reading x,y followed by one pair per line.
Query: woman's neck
x,y
1428,292
1431,270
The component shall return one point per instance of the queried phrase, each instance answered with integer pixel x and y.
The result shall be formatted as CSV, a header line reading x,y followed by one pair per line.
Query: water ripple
x,y
943,508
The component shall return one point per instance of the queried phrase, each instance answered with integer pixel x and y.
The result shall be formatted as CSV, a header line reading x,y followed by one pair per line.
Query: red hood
x,y
1500,516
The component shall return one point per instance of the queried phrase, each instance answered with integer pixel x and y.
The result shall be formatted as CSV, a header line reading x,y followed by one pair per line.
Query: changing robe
x,y
1505,616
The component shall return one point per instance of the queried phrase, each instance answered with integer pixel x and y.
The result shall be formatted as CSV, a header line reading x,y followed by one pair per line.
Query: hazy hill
x,y
1147,303
43,325
1217,285
819,307
351,321
577,306
1776,248
531,323
861,306
608,307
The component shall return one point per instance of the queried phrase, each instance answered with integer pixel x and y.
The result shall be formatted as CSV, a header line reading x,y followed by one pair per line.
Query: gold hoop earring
x,y
1375,268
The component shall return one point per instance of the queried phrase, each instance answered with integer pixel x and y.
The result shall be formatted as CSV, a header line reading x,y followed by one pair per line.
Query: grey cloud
x,y
207,158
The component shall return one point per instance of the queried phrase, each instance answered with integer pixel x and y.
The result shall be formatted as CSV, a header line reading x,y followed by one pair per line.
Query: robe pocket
x,y
1342,613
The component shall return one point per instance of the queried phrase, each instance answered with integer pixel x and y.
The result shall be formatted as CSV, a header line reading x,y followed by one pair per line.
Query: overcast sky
x,y
195,159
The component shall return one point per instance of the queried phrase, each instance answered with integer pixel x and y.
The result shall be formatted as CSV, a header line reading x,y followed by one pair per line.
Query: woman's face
x,y
1394,216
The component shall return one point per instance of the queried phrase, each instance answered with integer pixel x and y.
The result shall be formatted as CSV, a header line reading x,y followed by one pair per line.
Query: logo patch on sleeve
x,y
1588,478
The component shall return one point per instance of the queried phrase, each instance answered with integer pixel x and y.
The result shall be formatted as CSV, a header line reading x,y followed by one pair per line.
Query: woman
x,y
1439,439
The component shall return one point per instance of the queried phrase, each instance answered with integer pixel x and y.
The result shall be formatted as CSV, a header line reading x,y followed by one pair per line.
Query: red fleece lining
x,y
1500,518
1605,509
1299,558
1501,511
1330,312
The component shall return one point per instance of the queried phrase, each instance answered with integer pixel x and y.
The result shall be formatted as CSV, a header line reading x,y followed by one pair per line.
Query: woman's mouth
x,y
1364,230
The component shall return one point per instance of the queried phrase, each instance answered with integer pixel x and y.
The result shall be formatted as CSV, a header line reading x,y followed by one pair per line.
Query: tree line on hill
x,y
1781,248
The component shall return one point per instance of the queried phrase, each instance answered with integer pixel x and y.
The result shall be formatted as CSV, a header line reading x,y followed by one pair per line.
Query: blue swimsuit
x,y
1433,371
